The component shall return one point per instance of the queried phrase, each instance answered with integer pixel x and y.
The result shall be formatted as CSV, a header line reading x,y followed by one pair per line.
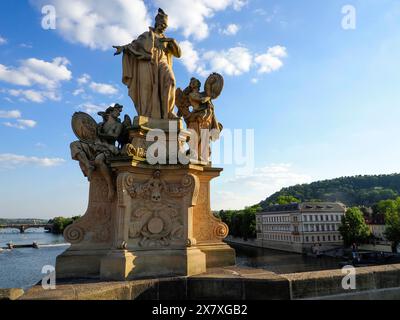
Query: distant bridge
x,y
25,226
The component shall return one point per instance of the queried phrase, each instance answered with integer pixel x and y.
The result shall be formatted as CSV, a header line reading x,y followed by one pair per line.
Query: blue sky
x,y
322,100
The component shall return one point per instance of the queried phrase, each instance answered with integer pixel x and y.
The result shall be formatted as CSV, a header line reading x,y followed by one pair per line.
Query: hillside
x,y
352,191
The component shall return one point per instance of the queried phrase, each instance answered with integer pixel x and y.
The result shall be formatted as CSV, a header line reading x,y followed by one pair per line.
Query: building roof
x,y
305,207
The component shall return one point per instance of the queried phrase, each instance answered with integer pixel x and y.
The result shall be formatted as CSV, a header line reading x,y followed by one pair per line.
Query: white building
x,y
297,227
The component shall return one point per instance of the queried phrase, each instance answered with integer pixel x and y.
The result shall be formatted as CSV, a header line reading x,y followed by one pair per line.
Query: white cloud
x,y
230,29
92,108
99,24
248,190
78,91
12,114
21,124
9,160
34,95
48,76
232,62
34,71
272,60
83,79
190,58
103,88
190,17
17,123
2,40
26,45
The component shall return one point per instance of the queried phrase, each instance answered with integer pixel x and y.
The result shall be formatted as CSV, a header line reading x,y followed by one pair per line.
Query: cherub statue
x,y
201,120
97,142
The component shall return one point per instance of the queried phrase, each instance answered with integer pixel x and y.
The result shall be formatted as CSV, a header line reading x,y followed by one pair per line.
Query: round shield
x,y
84,127
214,85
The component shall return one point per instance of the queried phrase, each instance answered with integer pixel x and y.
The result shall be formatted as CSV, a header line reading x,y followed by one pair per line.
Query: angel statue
x,y
97,142
147,70
197,110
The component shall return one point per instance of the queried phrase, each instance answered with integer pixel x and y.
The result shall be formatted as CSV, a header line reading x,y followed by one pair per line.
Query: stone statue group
x,y
148,74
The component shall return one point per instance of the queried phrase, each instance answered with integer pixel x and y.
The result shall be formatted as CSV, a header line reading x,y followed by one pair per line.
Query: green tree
x,y
353,228
391,210
60,223
287,200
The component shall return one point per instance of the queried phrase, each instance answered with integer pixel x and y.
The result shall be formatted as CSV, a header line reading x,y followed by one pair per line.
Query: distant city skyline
x,y
322,100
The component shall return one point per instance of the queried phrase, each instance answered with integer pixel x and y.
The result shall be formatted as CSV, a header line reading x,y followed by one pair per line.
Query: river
x,y
279,261
22,268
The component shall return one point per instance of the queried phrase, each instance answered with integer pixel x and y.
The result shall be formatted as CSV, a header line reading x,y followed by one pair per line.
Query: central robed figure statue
x,y
147,70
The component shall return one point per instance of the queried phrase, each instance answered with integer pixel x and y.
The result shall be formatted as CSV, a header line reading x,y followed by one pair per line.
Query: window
x,y
323,238
306,239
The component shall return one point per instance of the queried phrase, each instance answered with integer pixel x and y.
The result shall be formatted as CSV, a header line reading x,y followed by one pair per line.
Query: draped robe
x,y
148,74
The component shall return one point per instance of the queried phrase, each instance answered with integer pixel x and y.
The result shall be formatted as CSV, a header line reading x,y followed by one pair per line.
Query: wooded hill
x,y
352,191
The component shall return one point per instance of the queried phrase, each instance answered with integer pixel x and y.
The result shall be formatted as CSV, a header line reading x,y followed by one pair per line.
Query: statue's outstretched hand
x,y
118,51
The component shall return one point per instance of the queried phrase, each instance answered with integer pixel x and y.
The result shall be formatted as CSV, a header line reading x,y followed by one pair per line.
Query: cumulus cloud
x,y
2,40
21,124
11,114
191,59
272,60
103,88
34,95
190,17
232,62
83,79
92,108
9,160
85,83
99,24
16,122
47,76
34,71
247,190
78,91
230,29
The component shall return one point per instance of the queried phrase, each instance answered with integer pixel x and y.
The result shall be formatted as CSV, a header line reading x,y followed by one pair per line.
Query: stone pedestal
x,y
91,237
159,225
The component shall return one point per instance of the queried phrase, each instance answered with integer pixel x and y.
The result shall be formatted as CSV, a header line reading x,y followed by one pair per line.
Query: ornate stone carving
x,y
158,209
94,227
208,228
74,234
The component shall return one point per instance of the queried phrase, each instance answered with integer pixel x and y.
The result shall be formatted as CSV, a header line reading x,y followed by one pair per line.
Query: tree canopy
x,y
353,228
352,191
